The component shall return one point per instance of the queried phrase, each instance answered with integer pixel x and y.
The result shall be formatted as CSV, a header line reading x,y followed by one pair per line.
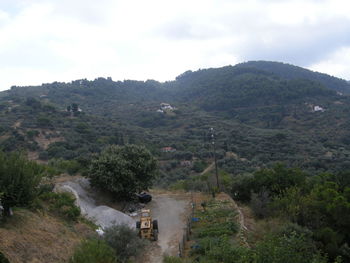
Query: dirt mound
x,y
85,196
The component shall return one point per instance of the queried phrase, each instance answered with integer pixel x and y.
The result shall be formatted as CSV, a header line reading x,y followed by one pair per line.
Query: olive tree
x,y
123,170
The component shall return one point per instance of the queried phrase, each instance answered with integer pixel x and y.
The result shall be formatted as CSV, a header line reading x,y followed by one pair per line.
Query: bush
x,y
93,251
19,179
290,248
124,241
62,204
69,166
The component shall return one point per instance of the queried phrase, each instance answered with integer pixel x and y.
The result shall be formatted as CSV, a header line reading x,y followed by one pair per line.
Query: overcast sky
x,y
43,41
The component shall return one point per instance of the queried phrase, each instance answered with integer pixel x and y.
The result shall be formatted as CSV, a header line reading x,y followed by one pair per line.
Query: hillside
x,y
262,112
34,237
288,71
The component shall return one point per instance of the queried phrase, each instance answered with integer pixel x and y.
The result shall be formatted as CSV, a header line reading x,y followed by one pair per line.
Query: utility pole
x,y
215,158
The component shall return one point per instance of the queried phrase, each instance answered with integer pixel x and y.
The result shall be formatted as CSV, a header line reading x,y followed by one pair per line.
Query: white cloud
x,y
62,40
337,63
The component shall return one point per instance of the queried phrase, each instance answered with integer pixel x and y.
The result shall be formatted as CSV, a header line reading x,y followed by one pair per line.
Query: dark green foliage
x,y
65,166
289,248
93,251
124,241
260,115
123,170
19,179
267,182
321,205
32,133
277,179
3,259
199,166
292,72
61,204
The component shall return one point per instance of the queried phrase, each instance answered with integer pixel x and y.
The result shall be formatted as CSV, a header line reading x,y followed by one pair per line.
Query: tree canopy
x,y
123,170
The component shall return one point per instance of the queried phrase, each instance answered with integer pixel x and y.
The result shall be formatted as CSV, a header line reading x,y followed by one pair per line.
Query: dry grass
x,y
32,237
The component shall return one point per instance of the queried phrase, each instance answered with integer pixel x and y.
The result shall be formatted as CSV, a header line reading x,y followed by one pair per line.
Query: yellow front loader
x,y
147,228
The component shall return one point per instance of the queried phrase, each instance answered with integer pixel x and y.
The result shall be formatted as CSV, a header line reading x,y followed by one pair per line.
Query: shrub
x,y
290,248
93,251
19,179
124,241
62,204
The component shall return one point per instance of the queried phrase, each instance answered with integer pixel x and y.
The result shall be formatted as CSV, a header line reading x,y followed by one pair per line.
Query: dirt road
x,y
170,210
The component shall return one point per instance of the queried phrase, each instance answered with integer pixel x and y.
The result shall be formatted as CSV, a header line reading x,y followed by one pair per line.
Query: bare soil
x,y
171,211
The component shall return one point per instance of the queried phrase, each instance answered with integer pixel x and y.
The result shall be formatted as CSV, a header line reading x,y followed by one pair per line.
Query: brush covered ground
x,y
35,237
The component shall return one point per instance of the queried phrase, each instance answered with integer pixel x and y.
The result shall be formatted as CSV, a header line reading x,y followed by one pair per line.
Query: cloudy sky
x,y
43,41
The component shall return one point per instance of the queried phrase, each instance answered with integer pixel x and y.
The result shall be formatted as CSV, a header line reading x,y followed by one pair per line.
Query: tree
x,y
123,170
19,179
75,107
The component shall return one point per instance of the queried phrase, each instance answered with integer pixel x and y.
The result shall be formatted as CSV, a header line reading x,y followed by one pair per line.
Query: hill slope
x,y
288,71
260,116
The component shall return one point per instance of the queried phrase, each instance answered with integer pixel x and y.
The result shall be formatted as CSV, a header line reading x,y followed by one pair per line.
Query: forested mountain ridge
x,y
288,71
234,87
259,115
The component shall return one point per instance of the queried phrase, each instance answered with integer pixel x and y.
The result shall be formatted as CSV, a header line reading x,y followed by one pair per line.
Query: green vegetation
x,y
124,241
123,170
118,245
320,204
59,204
19,180
214,232
285,243
292,72
93,251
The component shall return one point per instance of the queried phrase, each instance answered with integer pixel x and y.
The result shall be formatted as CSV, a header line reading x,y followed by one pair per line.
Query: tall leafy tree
x,y
123,170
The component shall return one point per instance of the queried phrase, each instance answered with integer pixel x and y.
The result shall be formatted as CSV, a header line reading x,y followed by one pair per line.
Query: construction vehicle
x,y
147,228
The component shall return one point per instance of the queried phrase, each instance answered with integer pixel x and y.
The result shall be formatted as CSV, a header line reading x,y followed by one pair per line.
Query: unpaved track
x,y
171,212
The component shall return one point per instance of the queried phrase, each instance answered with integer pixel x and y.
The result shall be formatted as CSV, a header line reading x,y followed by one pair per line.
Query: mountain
x,y
288,71
236,87
262,112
